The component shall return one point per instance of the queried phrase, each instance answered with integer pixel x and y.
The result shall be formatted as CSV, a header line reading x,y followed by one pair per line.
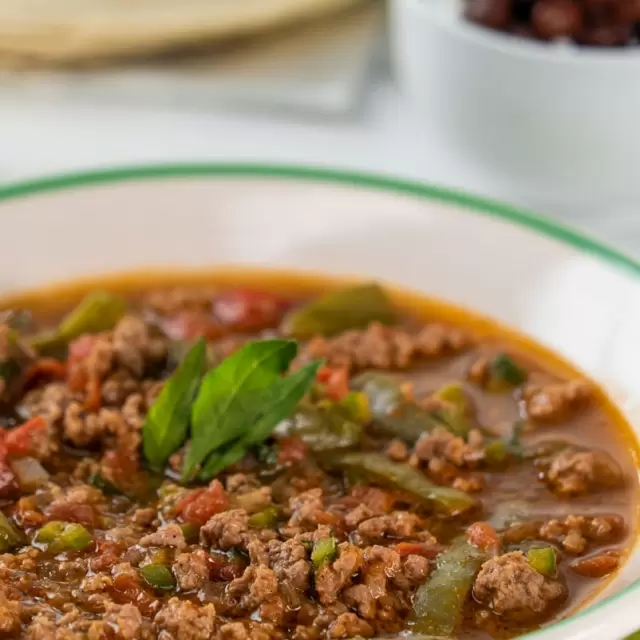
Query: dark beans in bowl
x,y
598,23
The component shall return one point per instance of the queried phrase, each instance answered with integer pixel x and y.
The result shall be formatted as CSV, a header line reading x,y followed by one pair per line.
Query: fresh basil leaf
x,y
278,402
167,423
231,397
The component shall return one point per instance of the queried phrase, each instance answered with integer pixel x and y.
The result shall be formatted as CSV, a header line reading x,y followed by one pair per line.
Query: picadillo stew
x,y
230,462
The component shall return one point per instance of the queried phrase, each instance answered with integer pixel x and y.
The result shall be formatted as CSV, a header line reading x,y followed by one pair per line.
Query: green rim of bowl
x,y
514,215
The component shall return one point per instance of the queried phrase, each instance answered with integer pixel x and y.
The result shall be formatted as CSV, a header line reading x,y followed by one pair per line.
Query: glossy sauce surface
x,y
507,495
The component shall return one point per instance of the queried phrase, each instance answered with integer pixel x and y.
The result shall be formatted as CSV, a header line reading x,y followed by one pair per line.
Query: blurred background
x,y
532,102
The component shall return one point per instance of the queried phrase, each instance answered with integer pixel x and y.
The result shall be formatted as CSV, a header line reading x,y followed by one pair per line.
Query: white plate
x,y
564,290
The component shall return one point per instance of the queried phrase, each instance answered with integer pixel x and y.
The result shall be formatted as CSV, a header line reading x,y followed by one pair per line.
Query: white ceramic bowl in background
x,y
564,290
558,118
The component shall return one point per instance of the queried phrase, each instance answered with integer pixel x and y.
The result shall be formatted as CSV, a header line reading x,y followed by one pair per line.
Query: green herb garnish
x,y
167,423
240,403
232,410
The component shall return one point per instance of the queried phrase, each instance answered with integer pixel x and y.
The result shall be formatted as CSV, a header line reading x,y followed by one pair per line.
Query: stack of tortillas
x,y
78,31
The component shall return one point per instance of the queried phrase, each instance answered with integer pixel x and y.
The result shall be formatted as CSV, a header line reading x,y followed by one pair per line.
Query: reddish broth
x,y
223,565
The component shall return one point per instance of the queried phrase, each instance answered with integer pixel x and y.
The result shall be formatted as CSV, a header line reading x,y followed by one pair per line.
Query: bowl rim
x,y
523,218
508,44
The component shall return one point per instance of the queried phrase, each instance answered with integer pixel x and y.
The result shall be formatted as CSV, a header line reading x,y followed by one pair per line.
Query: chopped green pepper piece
x,y
190,532
357,404
351,308
10,538
324,550
454,394
514,444
456,409
504,373
322,428
98,311
10,371
543,560
438,603
265,519
393,413
508,512
158,576
383,392
18,352
404,478
496,453
108,488
63,536
162,556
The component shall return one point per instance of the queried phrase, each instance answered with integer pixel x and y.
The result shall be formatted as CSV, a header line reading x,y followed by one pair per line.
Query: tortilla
x,y
70,31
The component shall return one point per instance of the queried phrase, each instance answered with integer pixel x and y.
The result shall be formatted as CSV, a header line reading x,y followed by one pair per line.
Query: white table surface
x,y
52,134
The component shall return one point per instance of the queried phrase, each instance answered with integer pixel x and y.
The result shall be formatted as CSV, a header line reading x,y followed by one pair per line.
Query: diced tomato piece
x,y
43,370
187,500
127,589
123,464
81,348
596,566
292,449
77,376
247,310
189,325
378,500
93,401
223,568
325,517
336,382
77,373
108,554
417,548
201,504
483,536
73,512
24,439
8,484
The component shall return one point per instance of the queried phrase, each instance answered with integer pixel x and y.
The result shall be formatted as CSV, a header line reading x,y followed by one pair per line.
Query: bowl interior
x,y
563,290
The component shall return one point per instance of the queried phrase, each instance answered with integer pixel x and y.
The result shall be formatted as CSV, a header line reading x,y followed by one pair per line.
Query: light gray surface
x,y
321,69
56,135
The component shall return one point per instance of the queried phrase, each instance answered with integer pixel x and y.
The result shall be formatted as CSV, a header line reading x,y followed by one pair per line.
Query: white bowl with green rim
x,y
559,287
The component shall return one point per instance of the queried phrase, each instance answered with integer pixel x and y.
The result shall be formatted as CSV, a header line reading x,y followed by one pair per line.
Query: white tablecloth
x,y
56,135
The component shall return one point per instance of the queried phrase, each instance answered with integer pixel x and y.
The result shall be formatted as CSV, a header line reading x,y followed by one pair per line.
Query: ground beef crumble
x,y
191,570
575,534
228,577
555,401
184,620
380,347
574,472
508,586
